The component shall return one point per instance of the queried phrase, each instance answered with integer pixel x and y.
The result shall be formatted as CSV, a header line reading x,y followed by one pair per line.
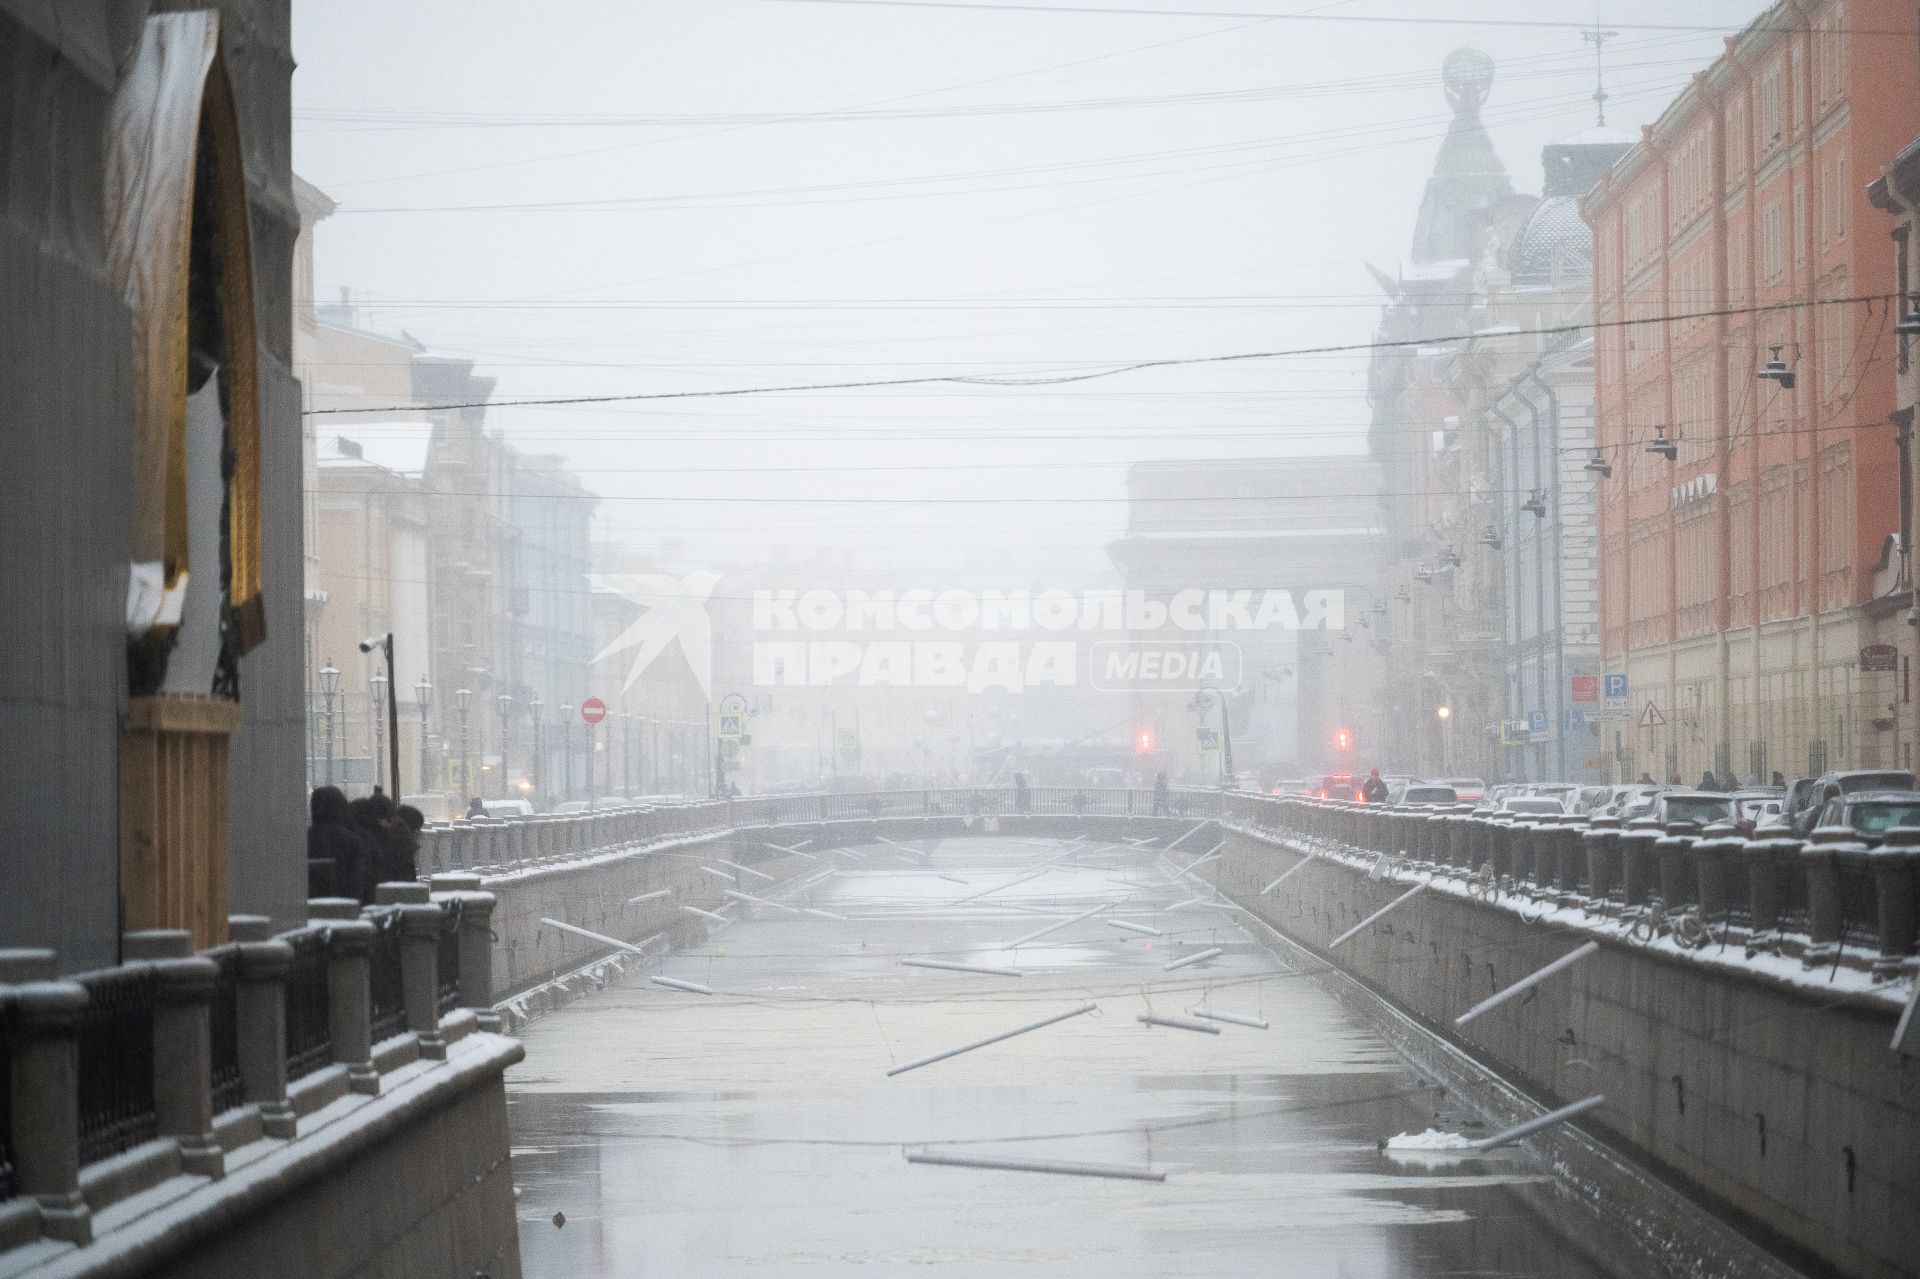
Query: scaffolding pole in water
x,y
990,1039
1401,900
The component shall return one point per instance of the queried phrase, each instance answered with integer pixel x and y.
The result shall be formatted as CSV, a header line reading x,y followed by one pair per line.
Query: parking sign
x,y
1616,687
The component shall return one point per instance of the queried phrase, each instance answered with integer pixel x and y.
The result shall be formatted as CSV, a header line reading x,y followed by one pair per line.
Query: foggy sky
x,y
741,193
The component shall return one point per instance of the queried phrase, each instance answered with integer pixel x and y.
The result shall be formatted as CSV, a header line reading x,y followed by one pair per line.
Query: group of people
x,y
352,845
1709,782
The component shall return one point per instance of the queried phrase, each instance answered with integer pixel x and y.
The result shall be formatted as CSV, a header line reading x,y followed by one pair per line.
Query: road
x,y
756,1132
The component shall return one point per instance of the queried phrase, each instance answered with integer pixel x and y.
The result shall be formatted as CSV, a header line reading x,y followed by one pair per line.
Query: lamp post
x,y
462,700
534,707
566,750
505,703
377,693
1445,715
423,698
329,685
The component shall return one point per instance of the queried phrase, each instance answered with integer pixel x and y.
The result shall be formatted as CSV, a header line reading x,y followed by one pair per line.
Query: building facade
x,y
1744,351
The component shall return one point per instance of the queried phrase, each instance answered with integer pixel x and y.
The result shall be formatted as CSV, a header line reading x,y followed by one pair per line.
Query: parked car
x,y
1700,808
1429,795
1806,798
507,807
1871,814
1471,790
1754,809
1590,799
1530,806
1340,786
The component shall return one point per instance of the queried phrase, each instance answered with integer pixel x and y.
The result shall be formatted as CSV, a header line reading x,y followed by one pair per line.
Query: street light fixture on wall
x,y
1664,446
1777,371
1598,465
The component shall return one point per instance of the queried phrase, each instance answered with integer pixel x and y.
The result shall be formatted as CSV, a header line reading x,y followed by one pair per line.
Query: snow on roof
x,y
399,446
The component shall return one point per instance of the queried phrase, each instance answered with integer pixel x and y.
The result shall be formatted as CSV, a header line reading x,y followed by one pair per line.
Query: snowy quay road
x,y
756,1130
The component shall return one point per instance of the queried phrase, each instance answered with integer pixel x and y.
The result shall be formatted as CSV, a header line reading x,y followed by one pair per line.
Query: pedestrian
x,y
370,816
407,851
1708,781
1022,798
1674,778
475,808
1374,790
1779,779
1160,794
1646,778
339,857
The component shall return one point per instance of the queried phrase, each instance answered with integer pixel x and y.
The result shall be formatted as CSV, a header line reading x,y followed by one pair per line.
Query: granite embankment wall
x,y
1767,1089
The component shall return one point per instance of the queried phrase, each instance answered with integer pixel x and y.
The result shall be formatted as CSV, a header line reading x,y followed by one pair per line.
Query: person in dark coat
x,y
1159,794
339,856
475,808
1022,798
1708,781
1374,789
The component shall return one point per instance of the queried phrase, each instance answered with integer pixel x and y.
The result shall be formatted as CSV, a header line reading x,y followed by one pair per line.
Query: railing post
x,y
1602,842
349,989
46,1091
1820,861
261,1007
182,1044
1894,864
420,922
475,945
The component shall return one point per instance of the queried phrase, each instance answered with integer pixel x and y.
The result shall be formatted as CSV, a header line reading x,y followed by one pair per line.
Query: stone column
x,y
182,1044
476,944
1820,862
261,1005
46,1091
349,995
1895,864
420,923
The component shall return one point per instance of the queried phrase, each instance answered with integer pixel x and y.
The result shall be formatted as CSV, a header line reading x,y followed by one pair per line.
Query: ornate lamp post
x,y
423,698
463,699
377,691
534,707
566,750
329,685
505,703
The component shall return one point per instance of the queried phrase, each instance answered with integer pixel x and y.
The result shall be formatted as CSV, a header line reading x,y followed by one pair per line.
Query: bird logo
x,y
674,608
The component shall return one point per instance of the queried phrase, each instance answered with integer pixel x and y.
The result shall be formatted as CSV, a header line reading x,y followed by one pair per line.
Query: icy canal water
x,y
756,1131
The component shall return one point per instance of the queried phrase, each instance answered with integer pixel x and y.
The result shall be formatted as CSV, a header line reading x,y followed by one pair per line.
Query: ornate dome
x,y
1556,244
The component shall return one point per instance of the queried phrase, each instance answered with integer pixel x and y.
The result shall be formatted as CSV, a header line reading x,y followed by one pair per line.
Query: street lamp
x,y
534,707
462,700
566,750
505,703
329,685
377,692
1444,713
423,698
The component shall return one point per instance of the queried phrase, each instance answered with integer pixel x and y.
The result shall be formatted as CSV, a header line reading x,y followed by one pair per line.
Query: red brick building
x,y
1737,575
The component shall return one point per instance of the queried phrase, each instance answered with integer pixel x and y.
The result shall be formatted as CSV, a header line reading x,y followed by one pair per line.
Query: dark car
x,y
1807,798
1871,813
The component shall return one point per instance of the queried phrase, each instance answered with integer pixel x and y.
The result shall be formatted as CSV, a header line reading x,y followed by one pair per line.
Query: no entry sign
x,y
593,710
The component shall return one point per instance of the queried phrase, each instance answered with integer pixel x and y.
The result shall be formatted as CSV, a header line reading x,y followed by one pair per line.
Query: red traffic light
x,y
1143,742
1343,739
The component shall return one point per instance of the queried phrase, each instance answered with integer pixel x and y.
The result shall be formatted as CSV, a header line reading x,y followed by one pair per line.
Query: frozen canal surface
x,y
755,1132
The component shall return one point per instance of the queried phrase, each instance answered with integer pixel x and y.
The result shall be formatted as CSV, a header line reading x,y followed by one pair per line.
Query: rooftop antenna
x,y
1598,39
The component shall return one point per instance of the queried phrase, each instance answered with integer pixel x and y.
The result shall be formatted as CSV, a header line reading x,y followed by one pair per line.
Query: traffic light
x,y
1143,742
1343,739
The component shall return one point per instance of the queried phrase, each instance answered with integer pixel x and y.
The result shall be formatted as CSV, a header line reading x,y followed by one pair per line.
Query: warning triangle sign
x,y
1651,716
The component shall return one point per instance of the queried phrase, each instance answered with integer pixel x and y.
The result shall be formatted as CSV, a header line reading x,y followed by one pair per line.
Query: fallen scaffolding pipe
x,y
737,895
647,897
1567,960
1238,1019
1056,927
677,984
748,869
599,937
1178,1023
717,873
1176,843
990,1039
1008,884
954,966
824,914
1288,874
1135,928
1547,1120
1208,953
997,1163
793,848
1401,900
709,914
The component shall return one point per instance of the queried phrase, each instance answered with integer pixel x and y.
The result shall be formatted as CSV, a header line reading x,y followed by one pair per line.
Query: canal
x,y
755,1131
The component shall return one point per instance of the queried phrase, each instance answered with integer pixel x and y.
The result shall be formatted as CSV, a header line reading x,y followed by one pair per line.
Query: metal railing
x,y
223,1027
386,983
309,1034
115,1059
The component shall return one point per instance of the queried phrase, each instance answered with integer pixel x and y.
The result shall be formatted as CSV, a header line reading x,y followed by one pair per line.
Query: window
x,y
1737,268
1835,323
1773,262
1799,229
1769,115
1735,142
1843,197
